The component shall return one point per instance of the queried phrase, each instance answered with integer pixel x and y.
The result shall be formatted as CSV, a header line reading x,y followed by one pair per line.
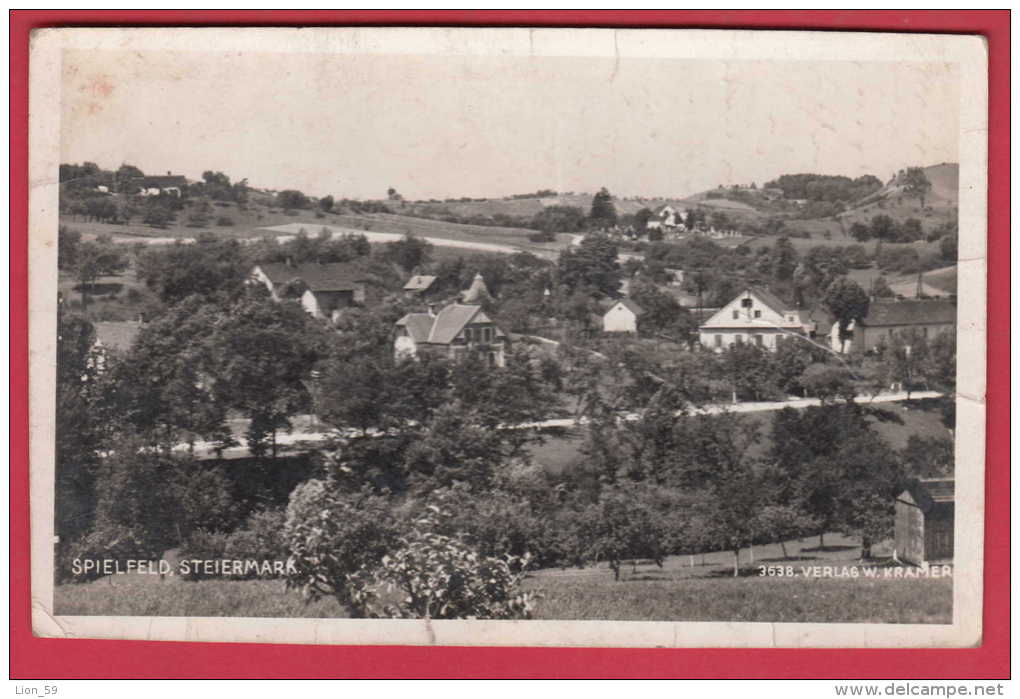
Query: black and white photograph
x,y
508,336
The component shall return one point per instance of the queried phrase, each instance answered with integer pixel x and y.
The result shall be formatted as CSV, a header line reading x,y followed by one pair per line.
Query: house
x,y
622,317
451,333
419,285
754,316
667,216
154,185
925,513
323,289
887,319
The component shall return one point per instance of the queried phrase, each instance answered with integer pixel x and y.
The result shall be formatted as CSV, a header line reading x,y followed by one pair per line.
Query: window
x,y
791,319
739,338
487,334
759,340
757,314
718,340
746,303
736,315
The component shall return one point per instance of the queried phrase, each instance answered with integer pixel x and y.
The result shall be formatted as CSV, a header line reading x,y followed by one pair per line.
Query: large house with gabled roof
x,y
925,318
323,289
455,330
756,316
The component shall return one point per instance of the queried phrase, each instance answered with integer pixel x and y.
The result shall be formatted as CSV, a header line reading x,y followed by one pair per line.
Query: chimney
x,y
432,310
168,173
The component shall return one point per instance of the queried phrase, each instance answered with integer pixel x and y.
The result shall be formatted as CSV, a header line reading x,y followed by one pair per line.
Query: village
x,y
663,390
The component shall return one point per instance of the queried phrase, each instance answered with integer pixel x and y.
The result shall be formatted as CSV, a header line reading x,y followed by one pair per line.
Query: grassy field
x,y
751,599
699,588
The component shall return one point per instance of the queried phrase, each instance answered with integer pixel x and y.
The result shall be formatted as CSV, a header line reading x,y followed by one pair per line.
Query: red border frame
x,y
36,658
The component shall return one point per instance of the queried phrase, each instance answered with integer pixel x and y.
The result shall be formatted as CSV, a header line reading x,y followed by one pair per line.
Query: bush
x,y
105,542
203,546
336,540
224,221
437,576
260,539
542,237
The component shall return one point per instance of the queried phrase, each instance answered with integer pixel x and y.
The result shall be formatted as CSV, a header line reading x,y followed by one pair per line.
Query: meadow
x,y
685,588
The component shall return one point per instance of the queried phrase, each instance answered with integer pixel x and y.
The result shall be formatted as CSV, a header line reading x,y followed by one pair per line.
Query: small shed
x,y
622,316
924,521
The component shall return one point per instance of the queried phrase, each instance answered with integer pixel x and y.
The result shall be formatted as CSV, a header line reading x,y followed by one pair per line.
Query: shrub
x,y
336,539
224,221
542,237
203,546
437,576
105,542
260,539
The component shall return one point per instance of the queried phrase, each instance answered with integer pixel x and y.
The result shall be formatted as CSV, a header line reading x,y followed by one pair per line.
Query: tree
x,y
262,354
928,457
393,195
784,260
603,212
80,425
94,259
847,302
948,248
210,268
827,382
68,245
409,252
160,388
641,219
782,522
880,288
292,199
326,203
622,525
592,265
860,231
559,219
125,173
916,184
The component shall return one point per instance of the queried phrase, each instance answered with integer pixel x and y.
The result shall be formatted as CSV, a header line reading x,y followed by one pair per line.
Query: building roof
x,y
336,276
452,319
926,493
910,312
630,305
119,335
768,298
419,282
418,325
478,291
442,328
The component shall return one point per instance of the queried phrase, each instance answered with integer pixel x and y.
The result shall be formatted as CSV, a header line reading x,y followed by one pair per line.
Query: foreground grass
x,y
918,601
698,588
141,595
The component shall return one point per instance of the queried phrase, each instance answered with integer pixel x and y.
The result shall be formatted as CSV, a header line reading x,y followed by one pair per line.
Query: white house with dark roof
x,y
755,316
888,319
622,317
451,333
323,289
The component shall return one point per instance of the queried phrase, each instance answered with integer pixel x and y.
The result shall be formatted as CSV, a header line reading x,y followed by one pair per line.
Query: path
x,y
311,439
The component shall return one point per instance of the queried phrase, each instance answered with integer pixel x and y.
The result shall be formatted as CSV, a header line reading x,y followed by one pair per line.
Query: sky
x,y
438,127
